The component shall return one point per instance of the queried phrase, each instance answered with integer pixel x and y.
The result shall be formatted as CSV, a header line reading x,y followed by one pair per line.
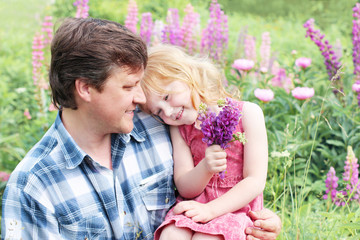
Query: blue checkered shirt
x,y
58,192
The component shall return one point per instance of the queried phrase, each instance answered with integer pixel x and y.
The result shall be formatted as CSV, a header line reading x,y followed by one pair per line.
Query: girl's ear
x,y
82,89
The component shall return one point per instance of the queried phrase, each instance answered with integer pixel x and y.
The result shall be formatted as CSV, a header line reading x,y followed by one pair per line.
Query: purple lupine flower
x,y
331,183
351,175
218,129
132,16
171,32
356,45
82,8
331,61
47,29
250,48
303,93
157,32
265,52
265,95
146,27
189,29
215,36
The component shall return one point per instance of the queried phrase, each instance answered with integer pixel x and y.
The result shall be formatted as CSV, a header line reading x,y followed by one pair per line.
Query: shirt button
x,y
124,212
167,200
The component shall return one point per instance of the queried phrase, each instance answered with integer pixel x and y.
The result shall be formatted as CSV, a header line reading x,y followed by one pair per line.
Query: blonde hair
x,y
168,63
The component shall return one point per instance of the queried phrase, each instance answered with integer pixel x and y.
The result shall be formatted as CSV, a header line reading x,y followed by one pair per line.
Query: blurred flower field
x,y
302,68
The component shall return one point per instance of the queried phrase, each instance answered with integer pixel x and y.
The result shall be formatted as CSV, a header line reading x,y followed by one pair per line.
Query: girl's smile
x,y
174,106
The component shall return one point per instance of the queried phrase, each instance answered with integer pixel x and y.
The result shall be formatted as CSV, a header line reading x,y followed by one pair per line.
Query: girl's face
x,y
174,106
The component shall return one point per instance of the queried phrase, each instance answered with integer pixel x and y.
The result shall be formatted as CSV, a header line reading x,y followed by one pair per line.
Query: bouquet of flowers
x,y
219,129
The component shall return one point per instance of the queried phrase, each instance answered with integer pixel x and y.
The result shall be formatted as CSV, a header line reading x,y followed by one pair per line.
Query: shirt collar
x,y
74,155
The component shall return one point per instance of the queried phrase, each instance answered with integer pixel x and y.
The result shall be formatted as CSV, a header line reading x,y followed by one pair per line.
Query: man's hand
x,y
267,225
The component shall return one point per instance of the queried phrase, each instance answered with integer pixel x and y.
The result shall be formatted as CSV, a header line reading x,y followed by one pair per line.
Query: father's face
x,y
114,106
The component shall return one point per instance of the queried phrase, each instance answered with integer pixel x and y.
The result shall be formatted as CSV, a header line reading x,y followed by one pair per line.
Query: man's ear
x,y
82,89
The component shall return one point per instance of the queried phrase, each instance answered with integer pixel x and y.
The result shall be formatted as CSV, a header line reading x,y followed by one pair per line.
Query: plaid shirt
x,y
58,192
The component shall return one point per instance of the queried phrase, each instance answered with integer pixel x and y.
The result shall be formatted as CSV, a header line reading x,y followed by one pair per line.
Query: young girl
x,y
209,207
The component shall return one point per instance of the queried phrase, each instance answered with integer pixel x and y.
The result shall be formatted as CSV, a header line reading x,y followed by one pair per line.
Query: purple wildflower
x,y
356,45
215,36
132,16
146,27
218,129
331,61
171,32
82,8
331,183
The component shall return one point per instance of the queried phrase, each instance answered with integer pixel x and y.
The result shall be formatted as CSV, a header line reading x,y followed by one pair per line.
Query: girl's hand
x,y
198,212
215,159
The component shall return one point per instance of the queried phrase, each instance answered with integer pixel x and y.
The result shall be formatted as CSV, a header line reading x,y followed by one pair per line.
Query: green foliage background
x,y
315,132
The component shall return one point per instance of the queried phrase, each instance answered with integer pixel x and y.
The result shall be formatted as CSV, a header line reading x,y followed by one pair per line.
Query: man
x,y
104,169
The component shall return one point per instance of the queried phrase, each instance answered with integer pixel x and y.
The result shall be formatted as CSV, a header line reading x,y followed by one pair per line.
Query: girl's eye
x,y
166,97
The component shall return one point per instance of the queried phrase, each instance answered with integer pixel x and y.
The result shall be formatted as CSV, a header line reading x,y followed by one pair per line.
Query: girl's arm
x,y
189,180
255,169
255,164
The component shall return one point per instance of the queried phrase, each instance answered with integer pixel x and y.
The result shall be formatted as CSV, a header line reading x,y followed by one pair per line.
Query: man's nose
x,y
139,97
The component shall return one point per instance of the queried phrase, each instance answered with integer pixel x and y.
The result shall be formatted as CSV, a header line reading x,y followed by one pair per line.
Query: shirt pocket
x,y
90,227
158,195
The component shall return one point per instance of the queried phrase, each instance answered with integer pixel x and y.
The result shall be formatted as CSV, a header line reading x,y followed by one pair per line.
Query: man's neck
x,y
88,137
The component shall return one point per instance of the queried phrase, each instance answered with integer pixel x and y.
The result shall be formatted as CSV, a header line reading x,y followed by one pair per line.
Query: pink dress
x,y
231,225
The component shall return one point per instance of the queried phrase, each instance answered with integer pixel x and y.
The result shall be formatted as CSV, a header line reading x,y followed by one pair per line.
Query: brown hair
x,y
90,49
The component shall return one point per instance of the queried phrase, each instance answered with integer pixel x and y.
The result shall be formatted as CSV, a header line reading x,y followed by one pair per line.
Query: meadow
x,y
306,78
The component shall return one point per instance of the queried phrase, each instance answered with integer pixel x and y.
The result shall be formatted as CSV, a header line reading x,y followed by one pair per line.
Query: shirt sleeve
x,y
23,217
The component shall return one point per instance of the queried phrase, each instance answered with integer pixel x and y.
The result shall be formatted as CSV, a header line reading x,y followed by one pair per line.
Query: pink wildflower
x,y
243,64
351,174
37,57
302,93
47,26
4,176
189,28
82,8
52,107
280,79
250,48
356,87
131,18
303,62
27,114
265,52
264,95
